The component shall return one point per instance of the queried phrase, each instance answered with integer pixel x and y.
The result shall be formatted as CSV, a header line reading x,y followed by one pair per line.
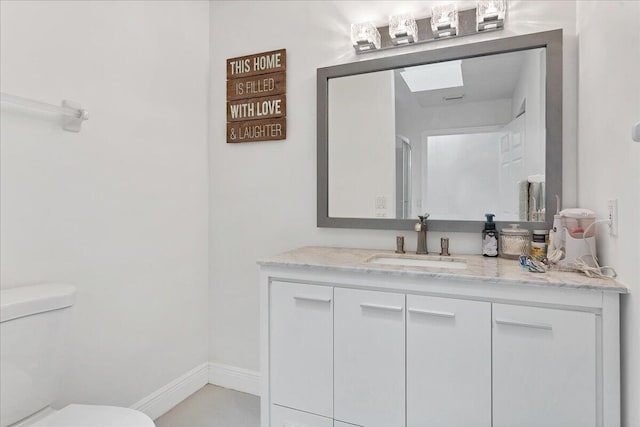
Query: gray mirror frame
x,y
552,40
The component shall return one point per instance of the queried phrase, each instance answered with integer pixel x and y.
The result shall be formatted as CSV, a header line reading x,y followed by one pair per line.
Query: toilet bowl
x,y
32,326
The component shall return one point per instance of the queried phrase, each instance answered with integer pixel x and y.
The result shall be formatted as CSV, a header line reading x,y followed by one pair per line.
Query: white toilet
x,y
32,331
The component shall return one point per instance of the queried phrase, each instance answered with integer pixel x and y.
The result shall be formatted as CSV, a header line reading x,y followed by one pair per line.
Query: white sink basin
x,y
419,261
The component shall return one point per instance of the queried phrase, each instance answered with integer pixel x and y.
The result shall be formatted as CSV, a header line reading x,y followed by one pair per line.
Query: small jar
x,y
514,241
539,244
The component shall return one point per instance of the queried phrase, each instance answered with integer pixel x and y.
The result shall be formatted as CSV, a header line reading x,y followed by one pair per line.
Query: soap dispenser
x,y
490,237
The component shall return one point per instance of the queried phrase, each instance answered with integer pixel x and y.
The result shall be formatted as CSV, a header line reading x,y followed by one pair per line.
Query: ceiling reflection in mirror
x,y
457,139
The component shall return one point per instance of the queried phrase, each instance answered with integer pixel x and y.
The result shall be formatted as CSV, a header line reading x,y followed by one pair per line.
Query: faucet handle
x,y
423,218
444,246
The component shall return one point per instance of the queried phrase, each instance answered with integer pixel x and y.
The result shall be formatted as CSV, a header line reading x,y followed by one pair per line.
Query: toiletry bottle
x,y
539,244
490,237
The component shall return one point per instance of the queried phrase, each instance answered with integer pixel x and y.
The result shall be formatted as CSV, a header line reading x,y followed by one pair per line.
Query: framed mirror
x,y
456,132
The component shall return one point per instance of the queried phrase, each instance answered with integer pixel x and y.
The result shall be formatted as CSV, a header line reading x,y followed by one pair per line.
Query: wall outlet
x,y
612,204
381,202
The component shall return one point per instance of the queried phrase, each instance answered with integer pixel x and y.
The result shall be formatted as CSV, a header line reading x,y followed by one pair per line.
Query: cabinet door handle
x,y
524,324
308,298
381,307
432,312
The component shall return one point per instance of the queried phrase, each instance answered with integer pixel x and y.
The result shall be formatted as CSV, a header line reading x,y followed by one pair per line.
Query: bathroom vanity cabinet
x,y
347,343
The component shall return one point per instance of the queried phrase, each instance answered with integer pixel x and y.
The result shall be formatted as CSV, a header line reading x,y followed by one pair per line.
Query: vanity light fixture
x,y
365,37
444,20
490,14
403,29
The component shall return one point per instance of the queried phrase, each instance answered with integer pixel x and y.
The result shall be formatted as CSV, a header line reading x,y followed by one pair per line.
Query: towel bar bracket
x,y
70,123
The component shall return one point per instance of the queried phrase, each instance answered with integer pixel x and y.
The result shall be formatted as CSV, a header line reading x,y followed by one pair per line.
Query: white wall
x,y
263,195
471,165
609,160
362,135
120,209
408,115
491,112
531,89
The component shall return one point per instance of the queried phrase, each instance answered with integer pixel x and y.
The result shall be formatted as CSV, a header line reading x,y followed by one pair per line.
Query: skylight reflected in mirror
x,y
441,75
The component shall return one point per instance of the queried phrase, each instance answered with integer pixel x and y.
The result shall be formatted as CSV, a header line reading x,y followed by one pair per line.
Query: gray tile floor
x,y
214,406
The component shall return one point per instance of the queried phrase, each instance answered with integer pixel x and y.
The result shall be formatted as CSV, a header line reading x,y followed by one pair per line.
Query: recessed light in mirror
x,y
441,75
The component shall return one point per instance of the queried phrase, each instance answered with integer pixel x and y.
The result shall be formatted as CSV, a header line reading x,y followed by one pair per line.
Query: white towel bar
x,y
74,114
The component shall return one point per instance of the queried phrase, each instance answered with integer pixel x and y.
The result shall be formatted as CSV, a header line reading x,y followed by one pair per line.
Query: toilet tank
x,y
32,347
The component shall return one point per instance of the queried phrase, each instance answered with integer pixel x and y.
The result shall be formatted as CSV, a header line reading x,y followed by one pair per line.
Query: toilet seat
x,y
95,416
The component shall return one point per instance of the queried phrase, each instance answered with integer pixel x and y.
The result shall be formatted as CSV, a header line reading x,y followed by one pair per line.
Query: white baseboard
x,y
164,399
235,378
167,397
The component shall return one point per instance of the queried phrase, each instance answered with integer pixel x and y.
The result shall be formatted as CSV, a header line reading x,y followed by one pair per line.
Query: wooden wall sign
x,y
256,97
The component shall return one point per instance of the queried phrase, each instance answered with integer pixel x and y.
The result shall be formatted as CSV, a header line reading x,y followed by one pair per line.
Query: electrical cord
x,y
597,270
555,251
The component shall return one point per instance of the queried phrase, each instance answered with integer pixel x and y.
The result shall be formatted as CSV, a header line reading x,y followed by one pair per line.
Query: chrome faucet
x,y
421,228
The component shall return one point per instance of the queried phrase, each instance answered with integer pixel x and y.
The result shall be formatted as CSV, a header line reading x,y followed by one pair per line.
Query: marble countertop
x,y
498,270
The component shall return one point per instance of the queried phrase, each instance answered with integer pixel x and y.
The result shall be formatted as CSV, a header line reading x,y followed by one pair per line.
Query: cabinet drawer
x,y
544,367
448,362
285,417
301,343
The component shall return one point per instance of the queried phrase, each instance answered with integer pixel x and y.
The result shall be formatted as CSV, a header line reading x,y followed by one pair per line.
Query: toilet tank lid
x,y
28,300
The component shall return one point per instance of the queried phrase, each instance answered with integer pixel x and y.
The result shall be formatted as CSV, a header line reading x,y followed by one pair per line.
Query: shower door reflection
x,y
403,177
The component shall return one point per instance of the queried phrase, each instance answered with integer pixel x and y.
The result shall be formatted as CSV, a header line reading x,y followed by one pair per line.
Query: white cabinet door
x,y
285,417
301,347
369,341
544,367
448,362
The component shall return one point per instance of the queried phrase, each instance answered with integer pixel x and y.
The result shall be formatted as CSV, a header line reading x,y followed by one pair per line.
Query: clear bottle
x,y
490,237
